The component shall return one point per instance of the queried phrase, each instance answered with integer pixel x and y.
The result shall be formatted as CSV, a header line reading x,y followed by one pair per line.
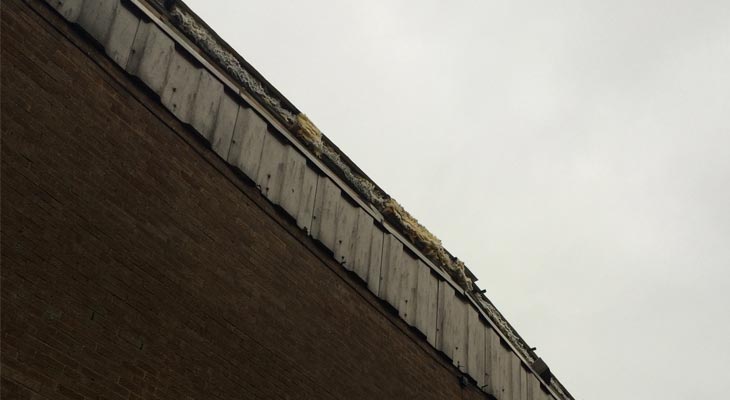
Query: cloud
x,y
574,153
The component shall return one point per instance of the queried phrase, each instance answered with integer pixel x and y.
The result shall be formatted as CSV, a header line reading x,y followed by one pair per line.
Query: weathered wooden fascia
x,y
493,314
153,55
262,111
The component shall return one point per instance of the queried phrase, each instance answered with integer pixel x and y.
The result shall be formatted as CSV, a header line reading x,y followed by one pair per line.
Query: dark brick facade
x,y
135,264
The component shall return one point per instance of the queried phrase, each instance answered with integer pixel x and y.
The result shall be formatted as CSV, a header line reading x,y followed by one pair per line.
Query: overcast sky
x,y
575,154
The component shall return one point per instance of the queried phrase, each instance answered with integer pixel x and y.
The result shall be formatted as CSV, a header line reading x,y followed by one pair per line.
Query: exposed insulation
x,y
426,241
307,130
312,137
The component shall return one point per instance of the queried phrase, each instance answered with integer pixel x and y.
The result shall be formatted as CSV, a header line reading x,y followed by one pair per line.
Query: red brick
x,y
197,286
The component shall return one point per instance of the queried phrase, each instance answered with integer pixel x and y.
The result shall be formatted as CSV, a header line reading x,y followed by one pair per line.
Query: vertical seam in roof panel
x,y
165,30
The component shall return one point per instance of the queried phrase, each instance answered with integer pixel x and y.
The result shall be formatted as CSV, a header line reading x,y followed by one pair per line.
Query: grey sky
x,y
576,155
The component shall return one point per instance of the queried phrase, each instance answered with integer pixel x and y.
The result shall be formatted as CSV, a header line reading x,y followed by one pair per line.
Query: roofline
x,y
192,35
479,299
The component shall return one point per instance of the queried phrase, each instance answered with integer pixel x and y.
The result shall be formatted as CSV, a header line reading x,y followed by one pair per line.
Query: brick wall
x,y
135,264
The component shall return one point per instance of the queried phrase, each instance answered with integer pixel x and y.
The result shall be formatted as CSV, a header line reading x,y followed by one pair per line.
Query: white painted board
x,y
517,371
307,198
407,288
531,382
368,251
452,326
270,176
207,102
390,270
490,359
345,233
181,85
291,187
502,370
247,142
426,302
446,297
506,371
362,240
377,242
152,50
96,18
324,218
121,35
225,122
476,348
523,383
298,188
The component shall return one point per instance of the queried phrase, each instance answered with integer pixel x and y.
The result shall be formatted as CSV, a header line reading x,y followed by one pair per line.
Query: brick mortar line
x,y
257,199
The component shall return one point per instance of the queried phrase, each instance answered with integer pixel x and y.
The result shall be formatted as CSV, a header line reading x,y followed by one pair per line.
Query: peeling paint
x,y
308,133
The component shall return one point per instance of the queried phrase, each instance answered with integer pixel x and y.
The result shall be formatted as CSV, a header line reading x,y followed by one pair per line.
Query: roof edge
x,y
226,58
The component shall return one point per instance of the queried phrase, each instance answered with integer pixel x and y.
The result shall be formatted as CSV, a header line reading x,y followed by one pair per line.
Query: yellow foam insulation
x,y
307,130
312,137
424,240
429,244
